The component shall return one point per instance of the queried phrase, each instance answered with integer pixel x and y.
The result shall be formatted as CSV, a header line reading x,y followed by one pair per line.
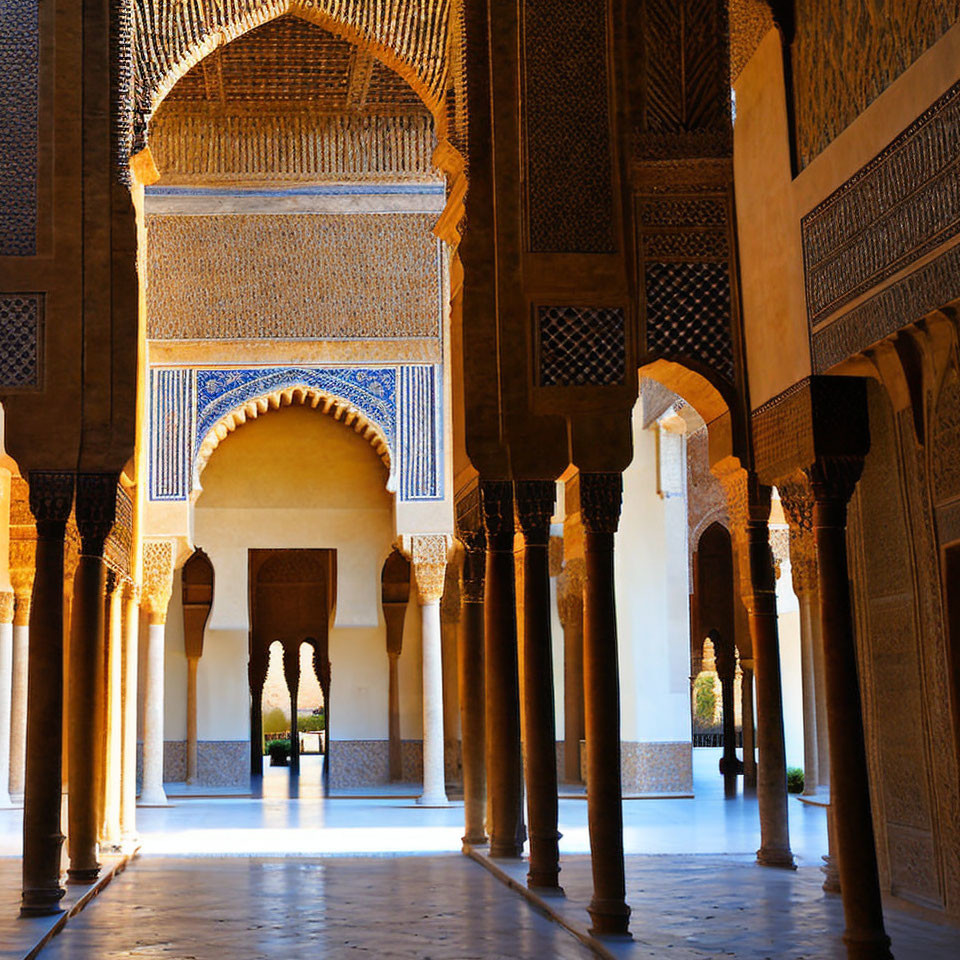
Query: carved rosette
x,y
7,603
601,497
428,555
158,560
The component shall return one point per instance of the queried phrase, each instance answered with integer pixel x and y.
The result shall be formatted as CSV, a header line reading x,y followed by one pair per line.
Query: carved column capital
x,y
833,480
428,555
473,571
158,560
496,498
535,501
51,497
601,497
96,510
7,602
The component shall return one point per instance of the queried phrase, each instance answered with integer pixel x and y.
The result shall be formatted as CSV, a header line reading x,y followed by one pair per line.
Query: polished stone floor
x,y
289,874
441,908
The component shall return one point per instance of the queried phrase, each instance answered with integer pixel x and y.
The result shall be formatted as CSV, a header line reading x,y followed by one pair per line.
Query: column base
x,y
776,858
868,946
474,840
546,886
86,875
433,800
44,902
506,851
611,918
831,881
154,798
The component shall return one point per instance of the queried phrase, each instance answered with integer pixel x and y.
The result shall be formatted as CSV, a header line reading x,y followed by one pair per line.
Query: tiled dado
x,y
366,763
665,767
220,763
651,767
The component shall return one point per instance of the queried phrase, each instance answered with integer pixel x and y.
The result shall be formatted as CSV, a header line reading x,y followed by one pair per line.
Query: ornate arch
x,y
412,37
301,395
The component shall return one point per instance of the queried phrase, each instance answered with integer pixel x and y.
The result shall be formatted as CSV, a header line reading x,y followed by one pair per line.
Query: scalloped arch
x,y
299,395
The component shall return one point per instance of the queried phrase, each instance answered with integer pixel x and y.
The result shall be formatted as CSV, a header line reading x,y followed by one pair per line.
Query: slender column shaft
x,y
749,727
113,768
535,501
811,766
434,785
192,664
865,936
257,675
86,689
291,672
729,764
51,496
6,693
470,675
393,727
18,694
502,683
820,696
762,613
152,792
600,498
131,643
571,609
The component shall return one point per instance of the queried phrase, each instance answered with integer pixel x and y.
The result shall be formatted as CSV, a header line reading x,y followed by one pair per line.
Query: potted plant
x,y
279,752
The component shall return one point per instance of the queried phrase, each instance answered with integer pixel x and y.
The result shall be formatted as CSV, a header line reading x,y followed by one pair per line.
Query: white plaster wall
x,y
651,575
788,621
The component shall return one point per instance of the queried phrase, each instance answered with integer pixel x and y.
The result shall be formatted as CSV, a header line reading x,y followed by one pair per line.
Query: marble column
x,y
501,678
534,505
6,693
748,725
95,510
291,674
192,763
820,695
833,481
131,644
51,496
797,503
429,559
749,506
23,588
600,500
111,836
470,668
570,609
726,662
158,560
394,613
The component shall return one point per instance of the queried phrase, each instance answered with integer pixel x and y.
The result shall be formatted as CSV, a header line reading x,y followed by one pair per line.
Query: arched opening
x,y
714,632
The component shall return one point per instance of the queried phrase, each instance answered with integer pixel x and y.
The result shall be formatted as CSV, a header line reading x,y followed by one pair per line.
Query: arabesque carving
x,y
158,566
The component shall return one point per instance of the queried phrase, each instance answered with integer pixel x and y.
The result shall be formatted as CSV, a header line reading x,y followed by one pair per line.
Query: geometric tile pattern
x,y
403,401
581,346
20,57
420,433
21,335
688,310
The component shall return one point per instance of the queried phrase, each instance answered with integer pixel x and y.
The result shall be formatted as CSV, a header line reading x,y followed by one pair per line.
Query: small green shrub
x,y
795,780
311,724
705,699
279,752
275,721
